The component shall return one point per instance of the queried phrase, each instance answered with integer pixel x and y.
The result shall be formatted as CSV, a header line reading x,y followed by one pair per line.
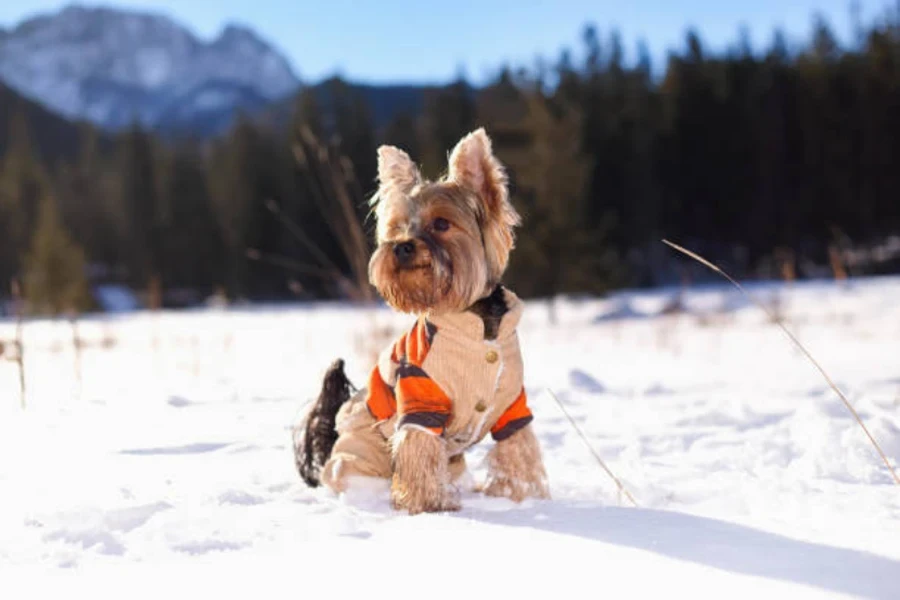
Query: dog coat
x,y
443,377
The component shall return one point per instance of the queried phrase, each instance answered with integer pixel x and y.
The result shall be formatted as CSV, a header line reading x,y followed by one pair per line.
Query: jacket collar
x,y
471,326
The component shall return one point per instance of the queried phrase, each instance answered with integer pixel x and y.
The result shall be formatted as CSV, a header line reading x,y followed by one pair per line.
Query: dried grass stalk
x,y
336,194
20,346
76,346
815,363
621,488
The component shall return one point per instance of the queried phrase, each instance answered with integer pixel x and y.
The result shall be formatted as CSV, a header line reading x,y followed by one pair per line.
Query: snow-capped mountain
x,y
113,67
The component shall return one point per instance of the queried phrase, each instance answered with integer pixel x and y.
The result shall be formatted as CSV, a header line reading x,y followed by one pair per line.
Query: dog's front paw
x,y
421,480
517,489
423,496
516,470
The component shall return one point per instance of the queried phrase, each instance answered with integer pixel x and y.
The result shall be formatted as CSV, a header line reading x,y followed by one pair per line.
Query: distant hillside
x,y
114,67
387,101
54,136
384,102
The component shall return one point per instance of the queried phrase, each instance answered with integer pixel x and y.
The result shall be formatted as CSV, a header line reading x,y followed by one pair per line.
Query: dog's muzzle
x,y
404,253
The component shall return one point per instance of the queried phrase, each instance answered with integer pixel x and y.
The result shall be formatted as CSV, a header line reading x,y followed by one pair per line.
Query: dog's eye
x,y
441,224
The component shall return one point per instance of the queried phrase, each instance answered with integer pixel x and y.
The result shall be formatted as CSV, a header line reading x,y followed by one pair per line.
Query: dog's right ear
x,y
396,170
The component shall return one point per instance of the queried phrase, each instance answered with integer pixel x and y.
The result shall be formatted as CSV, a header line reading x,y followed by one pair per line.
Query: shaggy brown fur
x,y
461,230
491,310
421,481
315,436
443,247
452,268
515,468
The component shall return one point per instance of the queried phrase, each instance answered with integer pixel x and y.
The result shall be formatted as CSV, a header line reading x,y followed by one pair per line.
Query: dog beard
x,y
442,277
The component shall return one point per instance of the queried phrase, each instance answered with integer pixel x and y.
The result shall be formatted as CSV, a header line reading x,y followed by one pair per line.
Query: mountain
x,y
385,102
54,136
114,67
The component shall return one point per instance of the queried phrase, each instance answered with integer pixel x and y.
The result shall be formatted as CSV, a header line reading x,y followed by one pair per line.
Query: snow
x,y
167,466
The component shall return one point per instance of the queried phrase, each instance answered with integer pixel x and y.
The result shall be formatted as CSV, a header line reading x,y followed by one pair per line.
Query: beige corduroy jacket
x,y
441,376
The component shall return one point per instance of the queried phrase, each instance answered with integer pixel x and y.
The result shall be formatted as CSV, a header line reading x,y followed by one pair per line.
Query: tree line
x,y
769,162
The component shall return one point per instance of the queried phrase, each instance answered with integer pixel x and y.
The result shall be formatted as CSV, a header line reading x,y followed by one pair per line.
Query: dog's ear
x,y
474,166
396,170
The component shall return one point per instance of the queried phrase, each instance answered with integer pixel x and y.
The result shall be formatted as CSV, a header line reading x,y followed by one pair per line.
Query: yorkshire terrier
x,y
457,374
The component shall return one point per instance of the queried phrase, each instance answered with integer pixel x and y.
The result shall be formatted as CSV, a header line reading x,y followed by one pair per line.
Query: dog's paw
x,y
515,468
421,479
517,489
422,496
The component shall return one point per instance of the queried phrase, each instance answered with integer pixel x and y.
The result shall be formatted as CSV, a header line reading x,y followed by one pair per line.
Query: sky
x,y
421,41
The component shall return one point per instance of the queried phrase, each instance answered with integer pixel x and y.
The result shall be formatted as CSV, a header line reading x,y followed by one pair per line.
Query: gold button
x,y
481,406
491,356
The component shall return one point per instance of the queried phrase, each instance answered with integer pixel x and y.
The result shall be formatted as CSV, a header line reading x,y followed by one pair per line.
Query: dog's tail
x,y
315,434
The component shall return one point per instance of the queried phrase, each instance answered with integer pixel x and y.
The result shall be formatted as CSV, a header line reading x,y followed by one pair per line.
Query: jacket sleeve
x,y
415,397
399,385
381,401
421,402
514,418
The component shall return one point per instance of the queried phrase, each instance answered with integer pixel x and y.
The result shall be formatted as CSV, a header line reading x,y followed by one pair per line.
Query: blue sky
x,y
408,40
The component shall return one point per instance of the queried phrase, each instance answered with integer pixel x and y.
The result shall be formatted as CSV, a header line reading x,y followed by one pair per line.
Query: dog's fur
x,y
443,247
315,440
454,268
421,481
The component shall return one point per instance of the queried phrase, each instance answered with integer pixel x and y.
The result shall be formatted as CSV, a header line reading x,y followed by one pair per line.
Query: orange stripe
x,y
516,411
414,345
415,391
420,394
381,401
424,341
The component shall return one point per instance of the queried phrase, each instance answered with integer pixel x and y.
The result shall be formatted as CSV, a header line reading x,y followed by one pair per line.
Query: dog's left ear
x,y
474,166
398,175
396,169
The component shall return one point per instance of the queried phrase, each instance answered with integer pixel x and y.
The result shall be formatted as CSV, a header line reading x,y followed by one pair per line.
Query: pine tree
x,y
313,246
557,253
352,129
448,115
191,246
139,211
308,112
403,133
232,182
23,180
738,155
55,268
86,194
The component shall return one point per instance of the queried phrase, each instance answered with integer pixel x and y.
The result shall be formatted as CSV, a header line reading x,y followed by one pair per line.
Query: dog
x,y
456,376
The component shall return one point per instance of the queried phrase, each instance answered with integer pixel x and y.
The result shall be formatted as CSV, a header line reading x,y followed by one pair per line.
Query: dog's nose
x,y
404,252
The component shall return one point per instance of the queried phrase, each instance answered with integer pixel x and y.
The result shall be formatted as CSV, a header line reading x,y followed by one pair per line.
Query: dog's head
x,y
441,245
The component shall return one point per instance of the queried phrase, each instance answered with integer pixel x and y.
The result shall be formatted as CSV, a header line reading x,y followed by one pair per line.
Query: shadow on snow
x,y
718,544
